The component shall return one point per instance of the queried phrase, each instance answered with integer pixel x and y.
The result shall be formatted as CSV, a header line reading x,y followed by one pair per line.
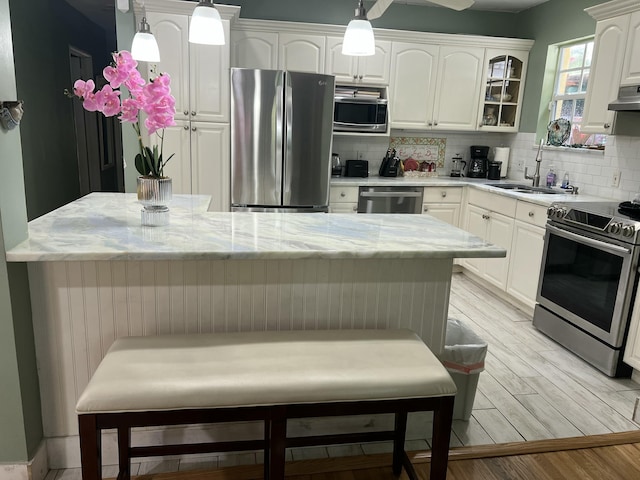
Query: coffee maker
x,y
479,162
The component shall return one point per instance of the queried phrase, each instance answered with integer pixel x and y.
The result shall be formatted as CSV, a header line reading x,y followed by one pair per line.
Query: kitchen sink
x,y
514,187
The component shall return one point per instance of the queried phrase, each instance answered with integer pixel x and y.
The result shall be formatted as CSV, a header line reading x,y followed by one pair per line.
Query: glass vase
x,y
154,193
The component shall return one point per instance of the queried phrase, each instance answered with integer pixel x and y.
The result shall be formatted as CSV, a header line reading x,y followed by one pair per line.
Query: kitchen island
x,y
96,274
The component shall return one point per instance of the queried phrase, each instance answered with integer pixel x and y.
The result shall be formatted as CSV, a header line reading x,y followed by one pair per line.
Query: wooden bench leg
x,y
124,444
277,443
90,447
442,418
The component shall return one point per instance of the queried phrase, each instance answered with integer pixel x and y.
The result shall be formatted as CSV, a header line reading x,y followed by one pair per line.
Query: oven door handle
x,y
607,247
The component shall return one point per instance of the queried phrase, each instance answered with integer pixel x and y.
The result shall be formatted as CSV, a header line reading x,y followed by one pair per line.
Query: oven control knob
x,y
560,212
628,231
615,228
550,211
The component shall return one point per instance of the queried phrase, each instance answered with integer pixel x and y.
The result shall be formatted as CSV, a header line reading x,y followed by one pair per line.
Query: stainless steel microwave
x,y
360,114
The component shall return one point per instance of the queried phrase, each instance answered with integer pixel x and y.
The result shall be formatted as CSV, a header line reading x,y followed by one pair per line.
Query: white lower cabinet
x,y
526,252
443,203
201,164
632,350
343,199
491,217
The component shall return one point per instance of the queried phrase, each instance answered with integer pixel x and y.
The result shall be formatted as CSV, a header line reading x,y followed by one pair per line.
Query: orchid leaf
x,y
141,165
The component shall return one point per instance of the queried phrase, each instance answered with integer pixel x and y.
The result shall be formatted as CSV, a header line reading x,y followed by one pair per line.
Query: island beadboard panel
x,y
80,307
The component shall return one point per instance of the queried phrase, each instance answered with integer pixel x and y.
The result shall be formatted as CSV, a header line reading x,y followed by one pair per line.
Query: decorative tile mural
x,y
420,148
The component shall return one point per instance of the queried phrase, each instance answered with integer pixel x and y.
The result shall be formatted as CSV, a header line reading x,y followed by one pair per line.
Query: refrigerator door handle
x,y
287,157
281,136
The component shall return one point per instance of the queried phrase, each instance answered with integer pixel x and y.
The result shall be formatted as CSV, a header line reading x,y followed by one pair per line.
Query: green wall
x,y
402,17
20,419
553,22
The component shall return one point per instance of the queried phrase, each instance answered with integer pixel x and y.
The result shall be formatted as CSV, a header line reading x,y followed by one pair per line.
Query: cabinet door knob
x,y
360,77
435,123
444,194
355,77
342,194
480,125
430,124
186,127
425,209
355,208
531,214
186,112
485,216
193,129
193,113
607,125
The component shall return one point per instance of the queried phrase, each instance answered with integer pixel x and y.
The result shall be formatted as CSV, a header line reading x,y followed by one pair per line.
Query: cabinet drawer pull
x,y
193,129
186,112
186,127
360,77
355,77
485,216
531,214
425,209
354,208
342,194
607,125
193,112
444,194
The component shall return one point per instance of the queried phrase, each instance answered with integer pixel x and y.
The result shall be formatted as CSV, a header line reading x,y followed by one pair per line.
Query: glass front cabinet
x,y
503,89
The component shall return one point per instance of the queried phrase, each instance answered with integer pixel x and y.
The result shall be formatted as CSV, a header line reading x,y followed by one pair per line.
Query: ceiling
x,y
102,11
492,5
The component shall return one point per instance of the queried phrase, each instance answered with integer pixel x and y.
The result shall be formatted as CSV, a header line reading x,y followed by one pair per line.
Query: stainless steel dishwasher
x,y
390,200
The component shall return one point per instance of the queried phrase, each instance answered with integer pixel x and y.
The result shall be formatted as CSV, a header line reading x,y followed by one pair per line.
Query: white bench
x,y
267,376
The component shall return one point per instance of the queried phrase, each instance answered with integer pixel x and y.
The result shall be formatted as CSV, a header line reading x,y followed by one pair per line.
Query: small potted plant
x,y
155,100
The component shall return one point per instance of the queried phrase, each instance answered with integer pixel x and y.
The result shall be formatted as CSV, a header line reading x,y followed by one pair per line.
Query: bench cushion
x,y
177,372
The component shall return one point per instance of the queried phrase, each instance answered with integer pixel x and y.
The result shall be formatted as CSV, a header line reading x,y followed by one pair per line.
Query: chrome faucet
x,y
536,175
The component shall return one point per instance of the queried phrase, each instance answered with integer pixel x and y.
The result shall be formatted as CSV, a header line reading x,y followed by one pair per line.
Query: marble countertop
x,y
106,226
480,183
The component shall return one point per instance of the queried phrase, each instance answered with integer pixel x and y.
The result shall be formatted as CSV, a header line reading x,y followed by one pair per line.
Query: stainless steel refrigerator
x,y
281,134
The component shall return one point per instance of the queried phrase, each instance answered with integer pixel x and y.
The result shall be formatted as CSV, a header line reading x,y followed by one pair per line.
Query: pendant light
x,y
144,47
358,39
206,24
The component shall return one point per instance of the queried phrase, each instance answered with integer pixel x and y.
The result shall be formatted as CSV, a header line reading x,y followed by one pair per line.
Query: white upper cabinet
x,y
604,78
413,79
254,50
458,87
435,88
302,53
631,66
199,73
366,70
172,34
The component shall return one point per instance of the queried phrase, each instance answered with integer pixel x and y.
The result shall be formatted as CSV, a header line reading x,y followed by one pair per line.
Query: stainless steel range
x,y
588,279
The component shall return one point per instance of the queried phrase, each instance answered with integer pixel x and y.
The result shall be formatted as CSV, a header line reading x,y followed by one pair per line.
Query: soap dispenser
x,y
551,176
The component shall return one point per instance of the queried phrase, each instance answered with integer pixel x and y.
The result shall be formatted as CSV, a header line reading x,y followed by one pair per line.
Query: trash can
x,y
463,356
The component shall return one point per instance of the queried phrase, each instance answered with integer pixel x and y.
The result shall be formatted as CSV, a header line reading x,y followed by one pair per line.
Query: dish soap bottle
x,y
565,180
551,176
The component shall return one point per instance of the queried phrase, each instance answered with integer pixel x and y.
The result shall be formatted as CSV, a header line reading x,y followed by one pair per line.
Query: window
x,y
570,90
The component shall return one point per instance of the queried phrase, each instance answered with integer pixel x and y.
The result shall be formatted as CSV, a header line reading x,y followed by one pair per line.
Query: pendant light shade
x,y
358,39
206,25
144,47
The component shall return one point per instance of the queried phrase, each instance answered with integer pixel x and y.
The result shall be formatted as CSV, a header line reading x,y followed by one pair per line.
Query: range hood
x,y
628,100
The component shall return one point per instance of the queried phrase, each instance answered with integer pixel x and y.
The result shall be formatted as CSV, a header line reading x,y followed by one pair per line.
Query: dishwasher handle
x,y
391,194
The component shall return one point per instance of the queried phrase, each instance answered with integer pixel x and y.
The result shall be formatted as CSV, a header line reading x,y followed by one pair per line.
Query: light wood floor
x,y
532,390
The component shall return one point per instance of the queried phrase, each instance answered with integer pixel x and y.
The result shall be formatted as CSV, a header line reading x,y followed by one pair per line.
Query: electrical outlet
x,y
615,180
520,166
360,155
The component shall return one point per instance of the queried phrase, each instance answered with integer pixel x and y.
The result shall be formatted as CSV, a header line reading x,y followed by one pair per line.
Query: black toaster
x,y
357,168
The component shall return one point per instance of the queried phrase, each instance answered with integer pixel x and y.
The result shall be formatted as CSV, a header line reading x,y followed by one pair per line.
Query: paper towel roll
x,y
502,155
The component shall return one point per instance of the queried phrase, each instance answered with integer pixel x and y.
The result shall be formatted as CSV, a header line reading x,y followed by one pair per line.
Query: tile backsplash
x,y
592,171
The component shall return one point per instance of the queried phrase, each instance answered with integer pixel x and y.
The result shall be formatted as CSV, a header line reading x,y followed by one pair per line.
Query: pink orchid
x,y
129,112
81,88
153,98
111,101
